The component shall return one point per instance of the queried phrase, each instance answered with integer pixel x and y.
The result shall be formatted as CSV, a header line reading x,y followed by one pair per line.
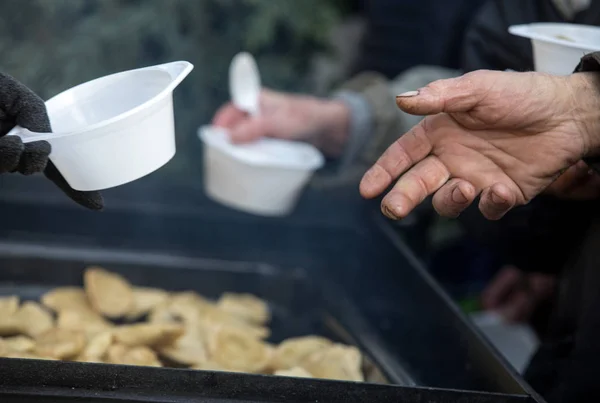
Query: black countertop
x,y
333,234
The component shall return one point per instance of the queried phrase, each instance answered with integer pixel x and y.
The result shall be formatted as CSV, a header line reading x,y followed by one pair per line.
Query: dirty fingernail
x,y
458,196
497,199
408,94
388,213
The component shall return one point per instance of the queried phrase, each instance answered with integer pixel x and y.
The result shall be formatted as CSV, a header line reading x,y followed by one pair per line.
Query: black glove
x,y
21,106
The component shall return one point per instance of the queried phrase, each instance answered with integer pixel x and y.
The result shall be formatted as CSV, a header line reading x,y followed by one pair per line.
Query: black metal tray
x,y
300,307
58,382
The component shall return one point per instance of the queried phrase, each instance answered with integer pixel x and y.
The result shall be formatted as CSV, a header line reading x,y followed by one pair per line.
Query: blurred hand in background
x,y
323,123
516,294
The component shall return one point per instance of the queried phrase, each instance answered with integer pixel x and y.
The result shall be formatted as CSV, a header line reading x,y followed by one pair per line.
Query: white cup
x,y
558,47
265,177
114,129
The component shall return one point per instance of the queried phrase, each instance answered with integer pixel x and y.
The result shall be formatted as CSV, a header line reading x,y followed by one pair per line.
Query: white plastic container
x,y
265,177
557,47
516,342
115,129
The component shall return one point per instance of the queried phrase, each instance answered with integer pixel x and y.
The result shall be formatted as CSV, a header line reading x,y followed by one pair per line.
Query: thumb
x,y
251,129
34,158
453,95
90,200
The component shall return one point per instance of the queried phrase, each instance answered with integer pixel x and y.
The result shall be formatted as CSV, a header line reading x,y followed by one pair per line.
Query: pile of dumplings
x,y
111,321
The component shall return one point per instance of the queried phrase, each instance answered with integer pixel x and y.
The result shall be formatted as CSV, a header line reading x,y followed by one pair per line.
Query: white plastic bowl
x,y
265,177
516,342
115,129
557,47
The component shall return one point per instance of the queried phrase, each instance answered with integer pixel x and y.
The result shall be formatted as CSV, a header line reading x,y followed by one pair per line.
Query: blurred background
x,y
309,46
301,46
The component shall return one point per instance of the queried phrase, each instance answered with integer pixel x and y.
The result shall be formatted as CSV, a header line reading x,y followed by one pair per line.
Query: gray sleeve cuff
x,y
361,125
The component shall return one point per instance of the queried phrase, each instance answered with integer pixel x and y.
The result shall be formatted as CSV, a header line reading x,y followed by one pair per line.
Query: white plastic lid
x,y
585,37
244,83
266,152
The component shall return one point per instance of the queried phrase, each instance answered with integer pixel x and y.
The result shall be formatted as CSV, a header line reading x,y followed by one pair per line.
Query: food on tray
x,y
9,325
296,372
8,305
291,352
211,366
86,320
216,317
237,350
336,362
30,356
60,343
189,349
65,298
33,319
140,355
109,293
19,344
111,321
146,299
246,307
97,347
148,334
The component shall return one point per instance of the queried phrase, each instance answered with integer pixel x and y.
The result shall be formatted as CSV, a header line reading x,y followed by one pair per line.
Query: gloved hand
x,y
21,106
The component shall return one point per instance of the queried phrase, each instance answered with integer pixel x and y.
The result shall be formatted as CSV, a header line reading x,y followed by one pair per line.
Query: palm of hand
x,y
503,136
515,157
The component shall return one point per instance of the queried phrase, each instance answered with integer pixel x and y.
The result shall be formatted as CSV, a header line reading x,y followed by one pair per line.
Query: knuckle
x,y
396,157
416,186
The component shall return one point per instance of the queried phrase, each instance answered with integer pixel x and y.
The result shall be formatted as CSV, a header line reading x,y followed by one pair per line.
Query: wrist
x,y
333,121
585,89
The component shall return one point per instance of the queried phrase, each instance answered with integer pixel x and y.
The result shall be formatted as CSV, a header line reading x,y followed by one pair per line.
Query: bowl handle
x,y
27,136
177,70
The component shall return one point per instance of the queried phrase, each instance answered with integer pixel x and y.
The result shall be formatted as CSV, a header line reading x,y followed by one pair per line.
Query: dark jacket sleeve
x,y
589,62
538,237
489,45
566,366
565,369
